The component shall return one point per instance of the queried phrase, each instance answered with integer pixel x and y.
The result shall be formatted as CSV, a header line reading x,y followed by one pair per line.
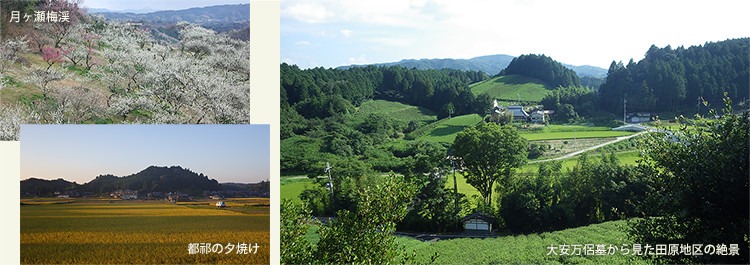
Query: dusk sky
x,y
227,153
158,4
332,33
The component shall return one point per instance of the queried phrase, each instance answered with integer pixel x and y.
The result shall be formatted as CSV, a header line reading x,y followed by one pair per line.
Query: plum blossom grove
x,y
105,71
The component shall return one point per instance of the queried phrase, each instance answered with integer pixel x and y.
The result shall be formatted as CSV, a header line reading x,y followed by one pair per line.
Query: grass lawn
x,y
292,188
571,135
554,132
510,87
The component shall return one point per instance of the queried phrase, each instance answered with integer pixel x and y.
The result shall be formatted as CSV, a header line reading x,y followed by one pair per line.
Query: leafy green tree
x,y
295,222
483,104
365,235
433,208
700,178
447,110
566,112
489,153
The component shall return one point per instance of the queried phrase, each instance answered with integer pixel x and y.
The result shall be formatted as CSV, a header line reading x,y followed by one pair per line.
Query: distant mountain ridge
x,y
151,179
489,64
209,14
135,11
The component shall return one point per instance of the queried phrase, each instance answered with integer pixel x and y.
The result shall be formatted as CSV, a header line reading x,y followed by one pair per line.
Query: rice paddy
x,y
106,232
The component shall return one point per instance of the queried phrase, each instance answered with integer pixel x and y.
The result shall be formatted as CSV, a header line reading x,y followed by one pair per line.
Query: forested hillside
x,y
543,68
679,80
320,92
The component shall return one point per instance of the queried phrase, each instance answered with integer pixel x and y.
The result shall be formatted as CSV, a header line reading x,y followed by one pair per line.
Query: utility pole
x,y
624,113
455,185
330,181
624,109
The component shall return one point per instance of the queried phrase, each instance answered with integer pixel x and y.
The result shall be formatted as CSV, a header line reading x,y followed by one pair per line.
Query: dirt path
x,y
587,149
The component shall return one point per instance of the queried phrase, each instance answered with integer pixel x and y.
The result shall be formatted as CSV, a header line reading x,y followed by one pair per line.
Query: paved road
x,y
587,149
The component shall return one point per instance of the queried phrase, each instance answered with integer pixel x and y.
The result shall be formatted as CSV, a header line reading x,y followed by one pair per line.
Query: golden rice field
x,y
86,232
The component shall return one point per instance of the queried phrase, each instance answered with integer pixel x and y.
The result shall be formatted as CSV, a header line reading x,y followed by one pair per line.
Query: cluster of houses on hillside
x,y
518,113
170,196
238,194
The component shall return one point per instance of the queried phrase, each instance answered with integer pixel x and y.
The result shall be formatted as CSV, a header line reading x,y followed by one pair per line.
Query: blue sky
x,y
331,33
227,153
157,4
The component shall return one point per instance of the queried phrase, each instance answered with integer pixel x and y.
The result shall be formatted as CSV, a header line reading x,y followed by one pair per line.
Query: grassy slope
x,y
510,87
292,188
19,74
445,130
395,110
524,249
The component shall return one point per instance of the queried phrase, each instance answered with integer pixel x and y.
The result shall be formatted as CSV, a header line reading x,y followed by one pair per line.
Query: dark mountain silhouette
x,y
35,186
151,179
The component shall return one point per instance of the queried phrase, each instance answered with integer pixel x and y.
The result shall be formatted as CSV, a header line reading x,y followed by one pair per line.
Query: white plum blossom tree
x,y
203,78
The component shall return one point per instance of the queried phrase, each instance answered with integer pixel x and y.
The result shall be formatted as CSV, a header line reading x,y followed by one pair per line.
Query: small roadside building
x,y
478,222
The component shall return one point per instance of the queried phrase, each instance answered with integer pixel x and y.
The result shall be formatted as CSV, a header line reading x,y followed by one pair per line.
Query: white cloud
x,y
360,60
307,12
576,32
383,12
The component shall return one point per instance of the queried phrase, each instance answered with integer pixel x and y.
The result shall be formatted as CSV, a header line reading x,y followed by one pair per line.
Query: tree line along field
x,y
117,232
291,188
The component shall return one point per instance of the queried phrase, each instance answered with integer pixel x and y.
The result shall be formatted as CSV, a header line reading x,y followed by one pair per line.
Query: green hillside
x,y
445,130
510,87
395,110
